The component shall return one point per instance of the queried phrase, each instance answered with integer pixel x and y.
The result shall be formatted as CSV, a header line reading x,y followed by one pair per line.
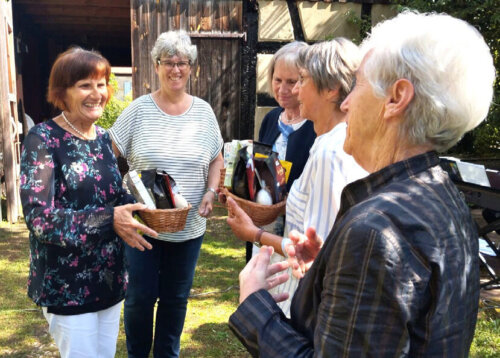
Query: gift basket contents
x,y
256,179
167,209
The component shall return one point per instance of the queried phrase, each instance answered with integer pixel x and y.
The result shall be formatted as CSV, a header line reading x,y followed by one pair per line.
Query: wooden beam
x,y
103,30
72,11
83,20
99,3
91,39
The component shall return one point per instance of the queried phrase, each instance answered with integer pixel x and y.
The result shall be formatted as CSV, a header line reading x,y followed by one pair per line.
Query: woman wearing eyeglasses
x,y
174,131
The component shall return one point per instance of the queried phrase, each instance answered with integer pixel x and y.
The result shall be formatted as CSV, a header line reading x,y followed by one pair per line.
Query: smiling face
x,y
173,78
86,99
365,125
283,81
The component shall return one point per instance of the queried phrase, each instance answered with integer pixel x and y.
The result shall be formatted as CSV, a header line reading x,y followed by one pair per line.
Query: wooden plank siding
x,y
8,114
216,28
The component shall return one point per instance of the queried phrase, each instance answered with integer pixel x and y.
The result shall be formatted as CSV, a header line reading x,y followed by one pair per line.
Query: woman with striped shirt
x,y
172,131
326,72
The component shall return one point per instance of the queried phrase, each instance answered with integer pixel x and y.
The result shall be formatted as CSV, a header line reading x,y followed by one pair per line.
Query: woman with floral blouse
x,y
77,212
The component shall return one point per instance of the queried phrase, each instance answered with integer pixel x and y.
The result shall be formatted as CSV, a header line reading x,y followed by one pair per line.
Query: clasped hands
x,y
259,274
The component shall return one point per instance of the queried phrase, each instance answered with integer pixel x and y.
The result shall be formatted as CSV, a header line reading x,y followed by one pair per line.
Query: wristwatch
x,y
213,191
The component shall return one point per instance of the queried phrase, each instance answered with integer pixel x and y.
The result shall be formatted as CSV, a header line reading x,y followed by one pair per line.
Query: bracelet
x,y
213,191
256,241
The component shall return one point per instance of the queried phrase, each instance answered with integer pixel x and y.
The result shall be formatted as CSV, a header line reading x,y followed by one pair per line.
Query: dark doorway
x,y
44,28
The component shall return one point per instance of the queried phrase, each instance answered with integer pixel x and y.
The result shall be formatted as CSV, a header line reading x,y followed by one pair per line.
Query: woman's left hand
x,y
207,204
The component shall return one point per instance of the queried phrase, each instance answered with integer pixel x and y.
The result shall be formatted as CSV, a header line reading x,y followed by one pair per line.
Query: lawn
x,y
23,330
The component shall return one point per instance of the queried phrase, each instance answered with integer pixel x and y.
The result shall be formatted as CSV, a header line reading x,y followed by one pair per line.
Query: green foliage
x,y
485,17
363,23
114,107
484,141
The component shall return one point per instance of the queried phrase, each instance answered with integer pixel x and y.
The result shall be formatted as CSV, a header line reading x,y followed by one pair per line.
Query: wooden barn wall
x,y
216,28
216,78
9,146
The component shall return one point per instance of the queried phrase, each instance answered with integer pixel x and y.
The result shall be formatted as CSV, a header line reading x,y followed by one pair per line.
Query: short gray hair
x,y
174,43
289,53
449,65
332,64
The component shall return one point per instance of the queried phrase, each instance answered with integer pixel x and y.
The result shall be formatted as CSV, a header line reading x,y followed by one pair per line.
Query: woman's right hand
x,y
241,224
303,250
126,226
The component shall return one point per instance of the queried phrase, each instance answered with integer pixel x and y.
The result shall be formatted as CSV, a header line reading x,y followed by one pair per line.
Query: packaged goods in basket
x,y
230,152
257,181
138,189
167,208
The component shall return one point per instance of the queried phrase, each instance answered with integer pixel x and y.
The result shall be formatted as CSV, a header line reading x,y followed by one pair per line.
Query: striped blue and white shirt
x,y
182,145
314,198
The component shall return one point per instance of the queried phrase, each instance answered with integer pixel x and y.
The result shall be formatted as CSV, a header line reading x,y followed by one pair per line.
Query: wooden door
x,y
216,29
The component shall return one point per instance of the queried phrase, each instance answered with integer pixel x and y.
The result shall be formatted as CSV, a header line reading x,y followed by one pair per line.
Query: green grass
x,y
23,330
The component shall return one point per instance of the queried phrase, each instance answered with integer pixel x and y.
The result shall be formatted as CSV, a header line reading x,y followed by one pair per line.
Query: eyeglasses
x,y
302,79
181,65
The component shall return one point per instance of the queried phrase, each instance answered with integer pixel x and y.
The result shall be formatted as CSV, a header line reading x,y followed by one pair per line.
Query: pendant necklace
x,y
73,127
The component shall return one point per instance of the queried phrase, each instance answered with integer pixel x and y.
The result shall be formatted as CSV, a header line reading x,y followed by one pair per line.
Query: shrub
x,y
114,107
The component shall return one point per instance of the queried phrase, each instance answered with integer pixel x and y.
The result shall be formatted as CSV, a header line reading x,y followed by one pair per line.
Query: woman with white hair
x,y
173,131
326,72
399,274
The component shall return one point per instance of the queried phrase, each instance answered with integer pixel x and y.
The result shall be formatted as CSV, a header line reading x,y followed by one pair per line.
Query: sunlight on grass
x,y
486,342
221,249
214,297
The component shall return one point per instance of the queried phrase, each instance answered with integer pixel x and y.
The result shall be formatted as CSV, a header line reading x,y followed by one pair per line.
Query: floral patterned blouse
x,y
69,187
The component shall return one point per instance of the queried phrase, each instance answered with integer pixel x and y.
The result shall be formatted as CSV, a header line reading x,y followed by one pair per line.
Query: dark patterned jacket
x,y
397,277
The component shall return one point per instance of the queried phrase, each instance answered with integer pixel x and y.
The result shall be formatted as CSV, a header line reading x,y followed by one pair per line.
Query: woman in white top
x,y
173,131
326,75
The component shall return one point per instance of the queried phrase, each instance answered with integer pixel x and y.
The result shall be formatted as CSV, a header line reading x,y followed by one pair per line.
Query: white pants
x,y
88,335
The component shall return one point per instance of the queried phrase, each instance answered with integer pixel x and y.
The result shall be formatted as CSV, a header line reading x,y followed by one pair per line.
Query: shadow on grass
x,y
14,266
214,340
221,260
25,335
13,242
23,328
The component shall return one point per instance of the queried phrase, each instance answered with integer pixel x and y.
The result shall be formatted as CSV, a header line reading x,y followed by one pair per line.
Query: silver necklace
x,y
73,127
289,121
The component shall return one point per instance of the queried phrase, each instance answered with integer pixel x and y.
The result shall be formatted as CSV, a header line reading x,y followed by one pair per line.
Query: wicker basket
x,y
260,214
165,220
